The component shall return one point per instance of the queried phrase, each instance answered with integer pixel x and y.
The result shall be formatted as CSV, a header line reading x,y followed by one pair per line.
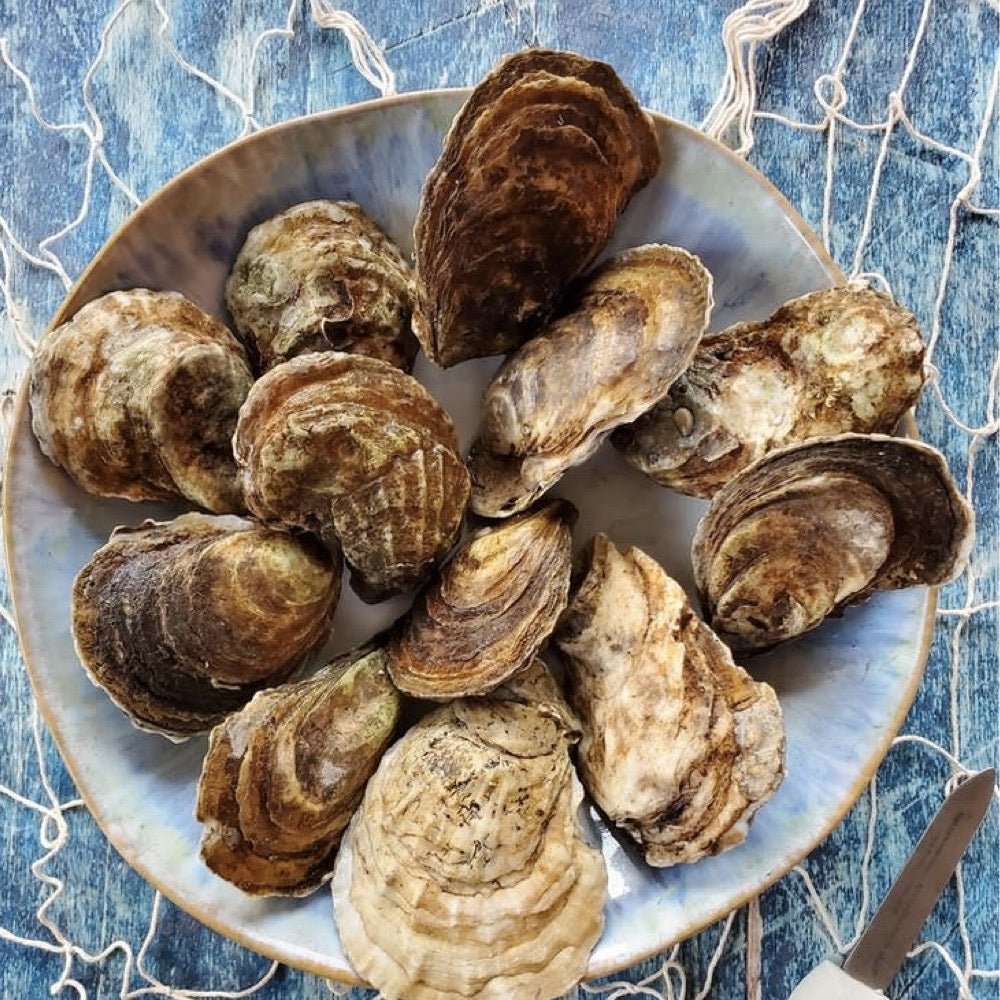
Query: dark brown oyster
x,y
181,622
680,745
136,396
359,452
631,329
535,171
816,526
322,276
490,610
283,775
839,360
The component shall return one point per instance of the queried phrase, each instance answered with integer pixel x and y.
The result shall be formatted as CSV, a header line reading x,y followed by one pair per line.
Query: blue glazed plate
x,y
844,689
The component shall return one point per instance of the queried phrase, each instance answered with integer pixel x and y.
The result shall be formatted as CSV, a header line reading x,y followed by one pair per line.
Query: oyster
x,y
136,396
284,774
680,745
465,872
631,329
359,452
844,359
490,610
537,166
182,621
322,276
813,527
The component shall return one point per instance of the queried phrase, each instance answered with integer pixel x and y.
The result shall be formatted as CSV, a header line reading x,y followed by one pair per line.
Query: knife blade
x,y
882,948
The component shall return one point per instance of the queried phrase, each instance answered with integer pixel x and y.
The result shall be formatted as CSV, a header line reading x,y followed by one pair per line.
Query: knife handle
x,y
829,982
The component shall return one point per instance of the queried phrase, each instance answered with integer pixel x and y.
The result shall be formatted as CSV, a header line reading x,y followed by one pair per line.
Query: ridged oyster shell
x,y
537,166
283,776
838,360
136,397
182,621
680,745
322,276
490,610
631,328
816,526
359,452
465,872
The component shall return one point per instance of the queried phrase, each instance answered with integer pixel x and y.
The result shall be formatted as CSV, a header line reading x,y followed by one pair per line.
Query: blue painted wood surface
x,y
156,118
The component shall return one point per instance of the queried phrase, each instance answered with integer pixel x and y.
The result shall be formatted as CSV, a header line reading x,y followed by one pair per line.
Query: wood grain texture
x,y
156,118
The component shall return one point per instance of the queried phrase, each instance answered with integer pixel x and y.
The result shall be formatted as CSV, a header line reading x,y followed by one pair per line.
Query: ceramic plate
x,y
844,689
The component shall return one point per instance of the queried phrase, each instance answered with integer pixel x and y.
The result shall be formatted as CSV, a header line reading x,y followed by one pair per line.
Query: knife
x,y
883,946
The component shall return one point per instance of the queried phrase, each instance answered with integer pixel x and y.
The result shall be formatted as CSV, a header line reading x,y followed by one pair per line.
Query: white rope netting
x,y
34,275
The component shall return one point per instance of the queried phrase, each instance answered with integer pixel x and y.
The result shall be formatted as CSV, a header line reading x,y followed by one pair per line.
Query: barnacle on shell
x,y
539,163
680,746
136,396
182,621
322,276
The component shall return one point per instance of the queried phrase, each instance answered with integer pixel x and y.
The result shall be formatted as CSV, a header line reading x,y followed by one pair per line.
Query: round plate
x,y
844,688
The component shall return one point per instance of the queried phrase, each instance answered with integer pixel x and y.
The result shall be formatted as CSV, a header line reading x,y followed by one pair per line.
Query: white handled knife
x,y
882,948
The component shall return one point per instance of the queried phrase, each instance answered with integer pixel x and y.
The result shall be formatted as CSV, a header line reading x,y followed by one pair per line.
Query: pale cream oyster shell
x,y
322,276
359,452
631,329
680,745
536,168
283,776
811,528
838,360
167,617
136,396
465,872
490,609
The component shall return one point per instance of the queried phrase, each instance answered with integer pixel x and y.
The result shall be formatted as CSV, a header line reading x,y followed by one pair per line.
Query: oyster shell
x,y
631,329
465,872
322,276
536,168
490,610
359,452
680,745
284,774
844,359
813,527
182,621
136,396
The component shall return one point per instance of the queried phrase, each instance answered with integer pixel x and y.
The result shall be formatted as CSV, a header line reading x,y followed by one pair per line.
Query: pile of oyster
x,y
459,863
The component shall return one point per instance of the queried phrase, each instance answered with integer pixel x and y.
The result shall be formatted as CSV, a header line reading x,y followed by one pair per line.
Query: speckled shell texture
x,y
465,872
183,621
839,360
680,745
490,610
360,453
631,329
816,526
536,168
283,776
322,276
136,396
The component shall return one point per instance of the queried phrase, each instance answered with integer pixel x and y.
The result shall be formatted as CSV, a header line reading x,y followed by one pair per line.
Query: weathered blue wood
x,y
157,119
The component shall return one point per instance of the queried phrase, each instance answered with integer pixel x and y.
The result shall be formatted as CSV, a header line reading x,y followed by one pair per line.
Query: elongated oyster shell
x,y
136,397
465,872
322,276
284,774
680,745
490,610
816,526
536,168
182,621
630,331
844,359
359,452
